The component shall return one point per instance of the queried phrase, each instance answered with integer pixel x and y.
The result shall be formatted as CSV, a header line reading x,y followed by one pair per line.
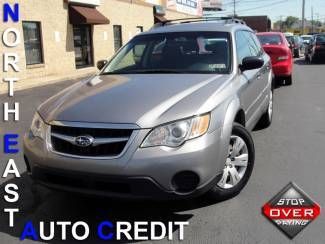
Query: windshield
x,y
320,38
270,39
290,39
306,38
186,52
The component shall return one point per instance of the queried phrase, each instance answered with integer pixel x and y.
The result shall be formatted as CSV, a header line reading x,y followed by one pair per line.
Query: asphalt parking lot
x,y
292,149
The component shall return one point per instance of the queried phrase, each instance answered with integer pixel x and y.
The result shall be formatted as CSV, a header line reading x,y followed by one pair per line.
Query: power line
x,y
259,7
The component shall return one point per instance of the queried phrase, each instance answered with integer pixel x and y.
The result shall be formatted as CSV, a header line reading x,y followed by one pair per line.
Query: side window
x,y
251,43
258,44
131,58
155,56
33,42
242,47
117,31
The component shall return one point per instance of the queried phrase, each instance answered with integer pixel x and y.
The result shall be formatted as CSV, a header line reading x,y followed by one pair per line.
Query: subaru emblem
x,y
84,141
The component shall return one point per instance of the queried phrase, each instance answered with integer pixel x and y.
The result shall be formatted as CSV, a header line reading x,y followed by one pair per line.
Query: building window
x,y
83,46
139,29
32,42
117,29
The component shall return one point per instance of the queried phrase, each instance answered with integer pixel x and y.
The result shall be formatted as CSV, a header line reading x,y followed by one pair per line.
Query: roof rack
x,y
226,20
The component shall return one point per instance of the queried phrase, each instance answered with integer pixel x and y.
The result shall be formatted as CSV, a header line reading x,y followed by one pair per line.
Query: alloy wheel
x,y
236,163
270,108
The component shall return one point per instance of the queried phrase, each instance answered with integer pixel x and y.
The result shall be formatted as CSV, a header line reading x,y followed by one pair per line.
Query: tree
x,y
290,21
316,23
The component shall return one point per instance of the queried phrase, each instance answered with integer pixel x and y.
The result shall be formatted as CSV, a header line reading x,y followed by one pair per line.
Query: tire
x,y
266,118
312,59
288,80
224,189
278,81
296,53
306,59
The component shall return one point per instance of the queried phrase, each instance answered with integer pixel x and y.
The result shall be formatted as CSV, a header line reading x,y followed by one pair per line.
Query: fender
x,y
231,112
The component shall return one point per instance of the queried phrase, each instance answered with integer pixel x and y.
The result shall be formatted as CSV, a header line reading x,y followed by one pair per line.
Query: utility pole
x,y
317,22
281,23
312,19
303,17
234,8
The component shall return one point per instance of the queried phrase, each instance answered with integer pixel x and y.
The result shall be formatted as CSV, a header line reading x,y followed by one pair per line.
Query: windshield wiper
x,y
147,71
159,71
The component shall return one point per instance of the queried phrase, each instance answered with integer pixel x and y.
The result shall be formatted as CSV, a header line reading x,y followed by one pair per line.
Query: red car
x,y
277,47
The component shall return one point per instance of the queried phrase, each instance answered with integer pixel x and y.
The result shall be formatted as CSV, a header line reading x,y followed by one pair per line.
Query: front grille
x,y
63,141
95,132
98,183
85,183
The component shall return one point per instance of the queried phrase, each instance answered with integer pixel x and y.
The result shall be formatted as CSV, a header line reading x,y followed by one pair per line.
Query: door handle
x,y
259,76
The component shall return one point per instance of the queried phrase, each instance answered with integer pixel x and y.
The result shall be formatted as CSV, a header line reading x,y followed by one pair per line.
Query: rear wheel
x,y
238,166
288,80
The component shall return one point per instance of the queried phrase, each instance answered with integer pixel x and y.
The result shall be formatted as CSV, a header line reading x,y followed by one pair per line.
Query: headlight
x,y
176,133
38,126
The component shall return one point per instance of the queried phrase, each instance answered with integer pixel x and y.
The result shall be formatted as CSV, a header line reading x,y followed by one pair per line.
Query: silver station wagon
x,y
169,116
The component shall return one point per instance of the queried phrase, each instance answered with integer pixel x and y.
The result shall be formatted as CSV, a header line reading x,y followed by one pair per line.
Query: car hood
x,y
143,99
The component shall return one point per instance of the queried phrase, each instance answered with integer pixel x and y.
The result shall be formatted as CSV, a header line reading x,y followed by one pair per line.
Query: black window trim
x,y
140,27
121,37
39,25
92,51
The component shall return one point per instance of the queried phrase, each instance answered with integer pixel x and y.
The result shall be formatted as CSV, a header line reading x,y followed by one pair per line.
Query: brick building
x,y
257,23
65,38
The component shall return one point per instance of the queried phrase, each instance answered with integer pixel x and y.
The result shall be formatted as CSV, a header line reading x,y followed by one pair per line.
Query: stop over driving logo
x,y
291,210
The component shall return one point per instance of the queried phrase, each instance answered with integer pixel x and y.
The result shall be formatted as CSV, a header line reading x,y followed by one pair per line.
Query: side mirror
x,y
101,64
250,63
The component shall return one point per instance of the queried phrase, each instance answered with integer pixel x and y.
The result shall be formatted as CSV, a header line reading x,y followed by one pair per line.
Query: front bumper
x,y
139,172
112,186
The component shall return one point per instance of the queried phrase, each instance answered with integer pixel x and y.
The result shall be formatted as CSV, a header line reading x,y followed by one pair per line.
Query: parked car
x,y
296,45
306,39
276,45
316,49
169,116
288,34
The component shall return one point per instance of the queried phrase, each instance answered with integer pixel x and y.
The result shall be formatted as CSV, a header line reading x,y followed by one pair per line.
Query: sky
x,y
275,9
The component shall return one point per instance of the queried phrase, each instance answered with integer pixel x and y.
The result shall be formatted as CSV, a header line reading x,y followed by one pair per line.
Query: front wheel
x,y
238,166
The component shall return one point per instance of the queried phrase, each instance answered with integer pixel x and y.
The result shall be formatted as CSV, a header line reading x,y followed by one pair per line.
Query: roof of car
x,y
198,26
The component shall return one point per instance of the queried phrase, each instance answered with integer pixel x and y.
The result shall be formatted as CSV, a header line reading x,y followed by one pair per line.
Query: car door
x,y
261,85
311,46
253,80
